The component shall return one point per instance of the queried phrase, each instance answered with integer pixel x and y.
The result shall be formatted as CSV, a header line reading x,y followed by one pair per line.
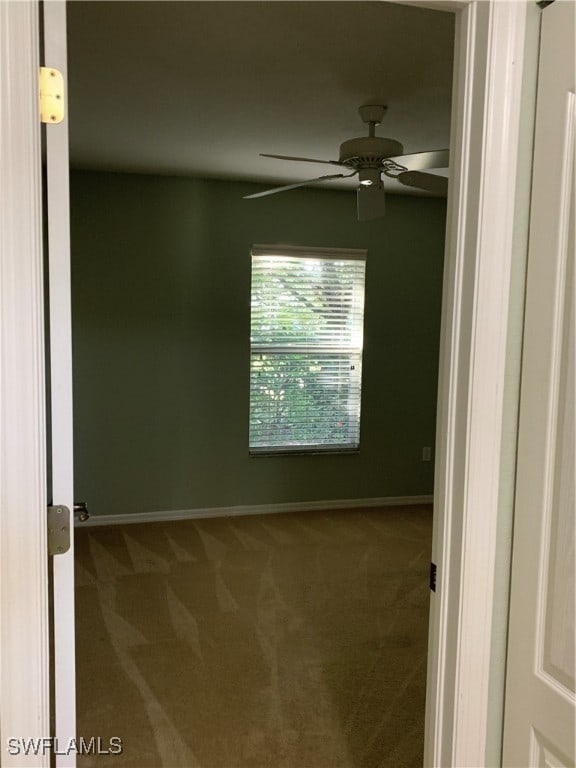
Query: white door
x,y
60,372
540,713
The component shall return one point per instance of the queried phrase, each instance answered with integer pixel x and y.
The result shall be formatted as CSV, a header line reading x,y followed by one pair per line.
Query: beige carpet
x,y
279,641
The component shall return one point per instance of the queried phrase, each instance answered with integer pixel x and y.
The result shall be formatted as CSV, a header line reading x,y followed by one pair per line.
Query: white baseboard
x,y
256,509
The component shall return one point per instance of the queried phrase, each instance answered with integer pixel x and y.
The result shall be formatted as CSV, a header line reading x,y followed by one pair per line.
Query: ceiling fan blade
x,y
371,202
286,187
429,182
302,159
420,161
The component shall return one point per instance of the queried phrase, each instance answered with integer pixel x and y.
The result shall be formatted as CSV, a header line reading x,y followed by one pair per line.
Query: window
x,y
306,349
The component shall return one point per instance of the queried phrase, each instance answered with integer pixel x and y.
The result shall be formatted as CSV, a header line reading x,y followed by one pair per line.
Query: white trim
x,y
58,200
253,509
474,333
24,630
312,252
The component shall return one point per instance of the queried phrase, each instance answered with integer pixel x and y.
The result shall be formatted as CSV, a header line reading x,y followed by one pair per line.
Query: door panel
x,y
540,698
558,624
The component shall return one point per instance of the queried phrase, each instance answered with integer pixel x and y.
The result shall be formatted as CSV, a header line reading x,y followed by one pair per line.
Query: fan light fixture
x,y
369,176
370,157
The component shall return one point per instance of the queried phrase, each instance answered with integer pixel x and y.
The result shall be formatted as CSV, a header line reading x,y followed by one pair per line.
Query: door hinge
x,y
51,95
433,577
58,529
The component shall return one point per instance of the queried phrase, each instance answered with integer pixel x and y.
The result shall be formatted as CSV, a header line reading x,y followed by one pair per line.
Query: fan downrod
x,y
372,115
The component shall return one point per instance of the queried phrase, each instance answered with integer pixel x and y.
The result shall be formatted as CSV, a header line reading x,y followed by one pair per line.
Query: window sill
x,y
282,452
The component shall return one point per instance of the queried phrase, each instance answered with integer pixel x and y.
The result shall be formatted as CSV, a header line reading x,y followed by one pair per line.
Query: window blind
x,y
306,349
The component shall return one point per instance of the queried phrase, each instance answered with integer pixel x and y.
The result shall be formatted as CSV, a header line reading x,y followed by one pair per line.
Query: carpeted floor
x,y
279,641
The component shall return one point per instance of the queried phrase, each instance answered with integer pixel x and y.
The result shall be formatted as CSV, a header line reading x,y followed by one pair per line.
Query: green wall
x,y
161,319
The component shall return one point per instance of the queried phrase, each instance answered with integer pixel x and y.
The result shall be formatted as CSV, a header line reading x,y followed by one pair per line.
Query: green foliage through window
x,y
306,349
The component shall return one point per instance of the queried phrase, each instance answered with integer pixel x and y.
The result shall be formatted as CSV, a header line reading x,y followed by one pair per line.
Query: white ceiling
x,y
200,88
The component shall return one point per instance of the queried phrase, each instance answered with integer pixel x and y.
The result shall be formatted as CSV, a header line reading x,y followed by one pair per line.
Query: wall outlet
x,y
427,453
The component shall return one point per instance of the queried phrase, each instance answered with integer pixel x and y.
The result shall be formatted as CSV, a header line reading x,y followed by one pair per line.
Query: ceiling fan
x,y
369,157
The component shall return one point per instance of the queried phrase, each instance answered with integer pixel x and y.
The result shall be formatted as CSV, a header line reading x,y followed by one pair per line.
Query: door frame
x,y
471,431
24,628
59,343
485,127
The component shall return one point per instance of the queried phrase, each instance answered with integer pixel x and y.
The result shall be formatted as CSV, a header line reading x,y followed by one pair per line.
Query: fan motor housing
x,y
368,151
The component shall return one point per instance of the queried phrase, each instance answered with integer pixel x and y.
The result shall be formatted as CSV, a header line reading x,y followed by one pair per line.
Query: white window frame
x,y
303,252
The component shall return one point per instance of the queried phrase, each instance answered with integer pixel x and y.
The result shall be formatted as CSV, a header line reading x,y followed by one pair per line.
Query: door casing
x,y
24,648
